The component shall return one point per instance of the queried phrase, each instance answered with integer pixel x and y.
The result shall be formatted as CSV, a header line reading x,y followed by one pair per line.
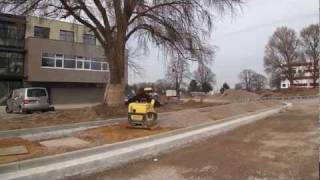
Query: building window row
x,y
11,64
44,32
60,61
11,35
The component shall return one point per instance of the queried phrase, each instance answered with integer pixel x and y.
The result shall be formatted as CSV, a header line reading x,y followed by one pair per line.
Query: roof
x,y
12,18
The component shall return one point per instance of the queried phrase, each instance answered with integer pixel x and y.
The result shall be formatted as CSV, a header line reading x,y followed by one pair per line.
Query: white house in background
x,y
285,84
302,76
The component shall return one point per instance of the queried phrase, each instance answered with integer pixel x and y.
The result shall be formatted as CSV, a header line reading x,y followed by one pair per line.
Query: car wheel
x,y
8,110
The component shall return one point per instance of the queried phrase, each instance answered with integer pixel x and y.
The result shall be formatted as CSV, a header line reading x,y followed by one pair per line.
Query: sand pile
x,y
238,95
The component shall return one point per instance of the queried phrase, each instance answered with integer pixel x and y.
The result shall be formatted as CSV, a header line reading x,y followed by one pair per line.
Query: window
x,y
60,61
283,85
89,39
48,60
66,36
36,93
69,64
11,64
95,65
11,34
105,66
87,65
79,62
4,62
69,61
41,32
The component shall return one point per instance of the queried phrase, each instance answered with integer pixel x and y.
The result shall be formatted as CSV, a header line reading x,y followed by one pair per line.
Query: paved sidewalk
x,y
74,106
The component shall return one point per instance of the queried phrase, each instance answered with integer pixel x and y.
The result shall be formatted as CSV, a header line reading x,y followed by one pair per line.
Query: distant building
x,y
302,77
66,58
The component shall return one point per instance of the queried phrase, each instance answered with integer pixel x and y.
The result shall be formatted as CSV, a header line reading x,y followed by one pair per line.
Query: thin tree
x,y
259,82
204,75
275,80
162,85
310,37
281,52
193,86
178,71
247,78
172,25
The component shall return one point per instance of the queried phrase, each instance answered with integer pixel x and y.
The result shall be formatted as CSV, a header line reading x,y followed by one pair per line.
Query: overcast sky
x,y
240,39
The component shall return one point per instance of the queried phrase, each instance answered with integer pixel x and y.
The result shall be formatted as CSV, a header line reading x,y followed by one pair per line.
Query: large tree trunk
x,y
114,92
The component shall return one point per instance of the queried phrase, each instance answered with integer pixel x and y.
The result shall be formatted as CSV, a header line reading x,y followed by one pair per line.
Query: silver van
x,y
26,100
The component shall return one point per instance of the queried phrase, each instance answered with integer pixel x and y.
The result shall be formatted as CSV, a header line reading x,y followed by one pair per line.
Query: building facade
x,y
302,77
12,52
63,57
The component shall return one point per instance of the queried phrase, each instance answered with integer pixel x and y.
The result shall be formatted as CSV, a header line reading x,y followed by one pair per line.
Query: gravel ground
x,y
283,147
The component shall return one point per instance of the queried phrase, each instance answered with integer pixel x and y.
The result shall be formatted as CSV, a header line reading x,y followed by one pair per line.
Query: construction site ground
x,y
284,146
119,131
67,116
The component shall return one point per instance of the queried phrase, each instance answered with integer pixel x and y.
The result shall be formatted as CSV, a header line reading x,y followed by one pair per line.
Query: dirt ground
x,y
35,149
119,132
116,133
283,147
290,92
19,121
96,136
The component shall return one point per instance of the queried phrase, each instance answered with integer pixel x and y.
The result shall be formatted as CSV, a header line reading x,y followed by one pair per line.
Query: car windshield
x,y
36,93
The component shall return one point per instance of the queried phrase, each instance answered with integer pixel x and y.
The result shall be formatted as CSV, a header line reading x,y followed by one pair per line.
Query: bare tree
x,y
172,25
238,86
162,85
281,52
204,75
275,80
310,37
178,72
250,80
259,82
246,77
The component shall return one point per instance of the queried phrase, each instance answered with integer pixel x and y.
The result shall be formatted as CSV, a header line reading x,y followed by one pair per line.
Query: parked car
x,y
27,100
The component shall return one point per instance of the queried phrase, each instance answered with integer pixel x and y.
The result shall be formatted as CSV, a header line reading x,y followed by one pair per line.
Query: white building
x,y
302,76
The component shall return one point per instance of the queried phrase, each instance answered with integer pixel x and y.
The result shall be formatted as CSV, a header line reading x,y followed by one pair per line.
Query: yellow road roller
x,y
142,115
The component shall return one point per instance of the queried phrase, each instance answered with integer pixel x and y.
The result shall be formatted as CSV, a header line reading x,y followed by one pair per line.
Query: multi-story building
x,y
64,57
12,41
302,76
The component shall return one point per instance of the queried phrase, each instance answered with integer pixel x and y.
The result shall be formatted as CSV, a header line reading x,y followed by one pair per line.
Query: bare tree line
x,y
285,49
251,81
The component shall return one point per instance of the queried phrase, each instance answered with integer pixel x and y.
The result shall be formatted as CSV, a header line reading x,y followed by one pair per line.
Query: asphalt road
x,y
284,146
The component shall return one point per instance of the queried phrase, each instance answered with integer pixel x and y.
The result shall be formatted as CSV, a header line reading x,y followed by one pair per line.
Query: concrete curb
x,y
108,156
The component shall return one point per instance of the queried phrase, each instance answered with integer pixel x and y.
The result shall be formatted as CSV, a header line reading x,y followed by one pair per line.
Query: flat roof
x,y
12,18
